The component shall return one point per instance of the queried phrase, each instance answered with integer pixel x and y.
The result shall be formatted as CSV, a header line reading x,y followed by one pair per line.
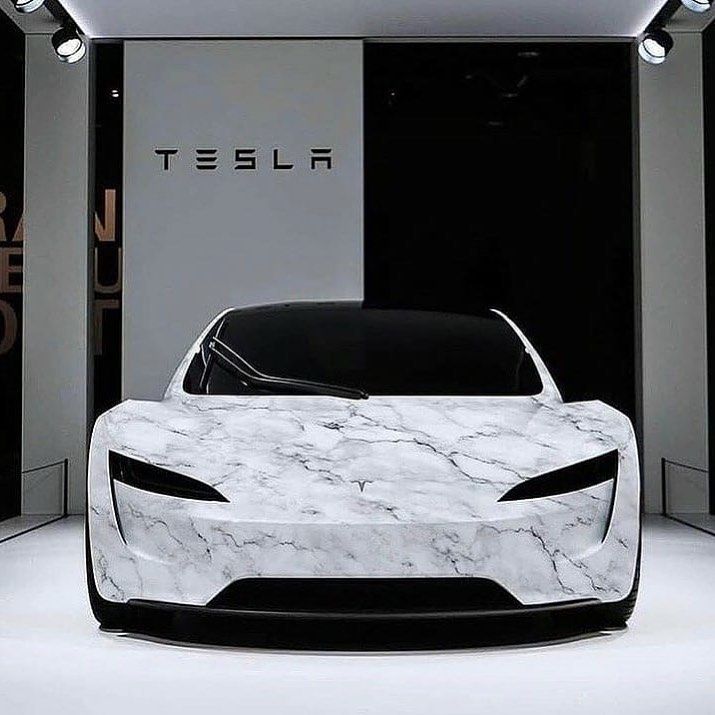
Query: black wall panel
x,y
502,175
108,154
12,108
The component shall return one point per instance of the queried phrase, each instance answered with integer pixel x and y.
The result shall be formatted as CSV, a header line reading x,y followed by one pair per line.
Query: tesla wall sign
x,y
244,158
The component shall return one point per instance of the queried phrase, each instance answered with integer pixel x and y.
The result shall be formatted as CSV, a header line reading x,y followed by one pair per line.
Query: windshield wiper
x,y
250,375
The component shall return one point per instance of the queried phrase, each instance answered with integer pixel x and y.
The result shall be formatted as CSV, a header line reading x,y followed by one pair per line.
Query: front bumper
x,y
573,548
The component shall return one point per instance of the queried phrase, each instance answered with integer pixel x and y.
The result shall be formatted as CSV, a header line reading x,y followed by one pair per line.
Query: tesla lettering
x,y
318,159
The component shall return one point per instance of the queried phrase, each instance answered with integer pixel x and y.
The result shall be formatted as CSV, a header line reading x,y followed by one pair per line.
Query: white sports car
x,y
335,461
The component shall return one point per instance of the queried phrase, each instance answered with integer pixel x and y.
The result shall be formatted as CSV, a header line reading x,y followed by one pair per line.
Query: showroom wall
x,y
56,275
673,275
243,184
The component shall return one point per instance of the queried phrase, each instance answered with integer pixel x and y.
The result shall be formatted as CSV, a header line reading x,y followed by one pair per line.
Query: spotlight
x,y
27,5
68,44
655,46
697,5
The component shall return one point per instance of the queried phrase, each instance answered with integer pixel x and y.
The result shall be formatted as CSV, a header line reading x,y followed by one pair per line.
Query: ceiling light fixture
x,y
69,45
655,42
654,46
25,6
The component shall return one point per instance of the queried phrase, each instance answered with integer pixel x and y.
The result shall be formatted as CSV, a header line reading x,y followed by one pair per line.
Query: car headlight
x,y
573,478
158,480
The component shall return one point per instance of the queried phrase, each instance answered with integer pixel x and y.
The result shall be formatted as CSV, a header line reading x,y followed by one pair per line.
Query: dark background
x,y
108,161
12,108
501,175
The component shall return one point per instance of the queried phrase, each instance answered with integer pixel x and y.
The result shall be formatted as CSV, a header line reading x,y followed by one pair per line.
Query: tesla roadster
x,y
335,461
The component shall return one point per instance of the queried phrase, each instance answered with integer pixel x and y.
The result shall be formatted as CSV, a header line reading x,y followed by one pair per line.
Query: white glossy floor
x,y
54,660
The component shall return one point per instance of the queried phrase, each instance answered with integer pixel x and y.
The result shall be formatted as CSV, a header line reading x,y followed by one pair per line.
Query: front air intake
x,y
581,475
149,478
364,596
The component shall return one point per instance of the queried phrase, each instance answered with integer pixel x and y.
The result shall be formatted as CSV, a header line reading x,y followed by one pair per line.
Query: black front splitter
x,y
361,631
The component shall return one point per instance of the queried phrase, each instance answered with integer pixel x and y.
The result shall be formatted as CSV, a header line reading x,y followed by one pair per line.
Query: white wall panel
x,y
198,241
55,290
673,263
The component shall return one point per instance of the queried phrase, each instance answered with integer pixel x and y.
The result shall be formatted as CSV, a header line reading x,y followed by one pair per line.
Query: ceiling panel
x,y
361,18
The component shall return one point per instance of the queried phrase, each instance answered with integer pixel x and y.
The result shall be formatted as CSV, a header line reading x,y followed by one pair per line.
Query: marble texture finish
x,y
384,487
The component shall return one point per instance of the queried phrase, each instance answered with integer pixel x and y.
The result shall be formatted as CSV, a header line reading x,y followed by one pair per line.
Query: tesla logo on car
x,y
361,483
245,158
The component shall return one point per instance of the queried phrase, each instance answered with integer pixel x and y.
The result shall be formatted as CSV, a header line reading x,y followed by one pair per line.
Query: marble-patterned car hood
x,y
325,459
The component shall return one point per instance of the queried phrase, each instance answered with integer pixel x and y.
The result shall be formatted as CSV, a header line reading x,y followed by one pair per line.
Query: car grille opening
x,y
396,596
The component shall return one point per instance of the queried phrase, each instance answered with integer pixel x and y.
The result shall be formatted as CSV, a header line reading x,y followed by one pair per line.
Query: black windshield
x,y
380,351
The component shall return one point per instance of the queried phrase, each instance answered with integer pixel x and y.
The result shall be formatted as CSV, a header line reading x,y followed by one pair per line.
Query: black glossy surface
x,y
519,626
